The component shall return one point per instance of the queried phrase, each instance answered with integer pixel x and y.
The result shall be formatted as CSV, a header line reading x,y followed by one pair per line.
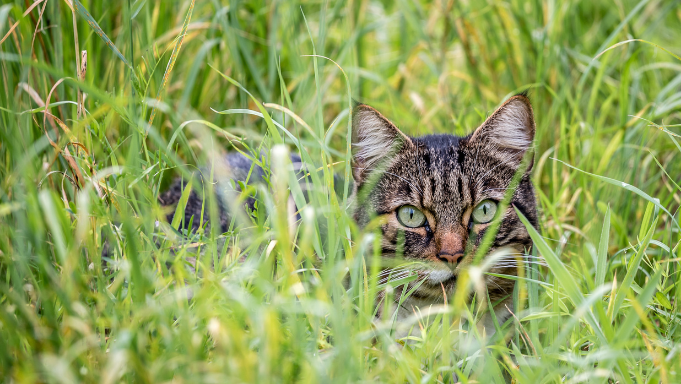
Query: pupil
x,y
484,209
411,213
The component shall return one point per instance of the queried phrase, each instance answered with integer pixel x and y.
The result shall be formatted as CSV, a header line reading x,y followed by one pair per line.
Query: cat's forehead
x,y
438,142
443,169
439,156
451,156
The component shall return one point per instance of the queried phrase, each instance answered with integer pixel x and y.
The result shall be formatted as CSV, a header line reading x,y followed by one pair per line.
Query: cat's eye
x,y
410,216
484,212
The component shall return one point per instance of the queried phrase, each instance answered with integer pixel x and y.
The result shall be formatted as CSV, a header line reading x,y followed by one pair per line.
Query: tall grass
x,y
268,302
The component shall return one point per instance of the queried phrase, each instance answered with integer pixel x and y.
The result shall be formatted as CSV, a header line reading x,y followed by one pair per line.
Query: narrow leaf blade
x,y
603,250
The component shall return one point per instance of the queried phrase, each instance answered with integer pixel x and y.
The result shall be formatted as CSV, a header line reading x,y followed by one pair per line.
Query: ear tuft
x,y
510,128
525,93
374,139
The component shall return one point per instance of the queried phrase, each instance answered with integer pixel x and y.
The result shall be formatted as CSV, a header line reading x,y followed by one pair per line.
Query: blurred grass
x,y
69,184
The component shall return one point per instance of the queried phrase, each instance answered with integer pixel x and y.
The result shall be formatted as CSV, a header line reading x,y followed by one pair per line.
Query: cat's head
x,y
439,194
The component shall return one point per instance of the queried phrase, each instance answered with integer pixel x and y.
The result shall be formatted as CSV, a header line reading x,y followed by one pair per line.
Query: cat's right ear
x,y
374,141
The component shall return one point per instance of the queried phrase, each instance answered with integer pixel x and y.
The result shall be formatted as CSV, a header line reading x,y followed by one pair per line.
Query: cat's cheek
x,y
415,243
477,234
478,230
509,266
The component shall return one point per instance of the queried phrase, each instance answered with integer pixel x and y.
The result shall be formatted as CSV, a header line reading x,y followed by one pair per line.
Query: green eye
x,y
410,217
484,212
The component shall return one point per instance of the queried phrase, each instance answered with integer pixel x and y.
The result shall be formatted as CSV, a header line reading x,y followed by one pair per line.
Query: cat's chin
x,y
439,276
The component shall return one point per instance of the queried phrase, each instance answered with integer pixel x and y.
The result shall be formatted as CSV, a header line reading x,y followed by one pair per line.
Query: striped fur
x,y
445,177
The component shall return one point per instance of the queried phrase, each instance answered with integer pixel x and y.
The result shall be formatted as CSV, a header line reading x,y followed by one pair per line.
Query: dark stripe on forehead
x,y
426,158
460,157
405,188
459,184
433,187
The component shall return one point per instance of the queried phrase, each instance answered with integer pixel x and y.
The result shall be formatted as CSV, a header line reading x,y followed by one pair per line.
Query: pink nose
x,y
449,258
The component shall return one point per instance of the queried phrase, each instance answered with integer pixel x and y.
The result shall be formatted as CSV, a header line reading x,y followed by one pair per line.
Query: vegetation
x,y
171,85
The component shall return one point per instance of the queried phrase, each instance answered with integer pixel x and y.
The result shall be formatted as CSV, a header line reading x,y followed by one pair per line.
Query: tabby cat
x,y
437,196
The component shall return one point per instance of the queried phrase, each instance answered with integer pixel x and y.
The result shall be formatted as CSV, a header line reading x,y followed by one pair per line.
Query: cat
x,y
437,195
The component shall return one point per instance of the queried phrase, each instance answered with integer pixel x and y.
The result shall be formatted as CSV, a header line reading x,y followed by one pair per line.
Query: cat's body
x,y
437,196
234,166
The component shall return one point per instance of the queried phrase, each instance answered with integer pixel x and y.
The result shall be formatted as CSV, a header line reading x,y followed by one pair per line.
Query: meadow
x,y
104,103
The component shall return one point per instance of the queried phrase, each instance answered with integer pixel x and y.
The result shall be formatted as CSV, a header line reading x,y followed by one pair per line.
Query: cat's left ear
x,y
509,130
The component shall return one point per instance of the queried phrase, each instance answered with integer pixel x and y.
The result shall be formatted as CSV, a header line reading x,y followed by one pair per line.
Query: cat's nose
x,y
450,258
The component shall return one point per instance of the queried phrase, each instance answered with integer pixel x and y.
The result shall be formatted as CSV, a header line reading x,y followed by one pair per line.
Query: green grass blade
x,y
560,272
171,62
98,30
181,206
626,284
268,119
628,187
602,258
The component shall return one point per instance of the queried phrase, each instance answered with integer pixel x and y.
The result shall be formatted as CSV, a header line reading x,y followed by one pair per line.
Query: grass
x,y
254,77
